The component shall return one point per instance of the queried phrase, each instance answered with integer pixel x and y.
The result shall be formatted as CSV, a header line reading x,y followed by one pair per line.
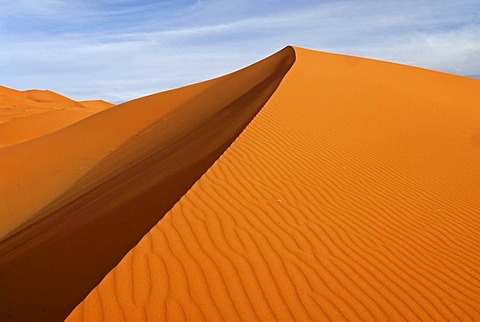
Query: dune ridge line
x,y
122,169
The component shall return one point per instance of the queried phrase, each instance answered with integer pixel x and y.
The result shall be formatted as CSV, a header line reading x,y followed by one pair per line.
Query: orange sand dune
x,y
96,104
353,194
75,201
308,186
29,114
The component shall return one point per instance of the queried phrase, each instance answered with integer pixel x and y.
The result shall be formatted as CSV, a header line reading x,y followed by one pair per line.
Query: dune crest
x,y
111,177
352,195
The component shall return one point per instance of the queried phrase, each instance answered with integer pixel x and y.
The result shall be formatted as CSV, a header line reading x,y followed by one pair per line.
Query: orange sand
x,y
30,114
352,194
111,177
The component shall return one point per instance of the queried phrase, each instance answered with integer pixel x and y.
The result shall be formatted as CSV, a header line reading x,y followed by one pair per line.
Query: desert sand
x,y
308,186
25,115
106,180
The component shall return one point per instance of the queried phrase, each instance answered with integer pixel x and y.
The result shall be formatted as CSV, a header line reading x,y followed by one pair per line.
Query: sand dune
x,y
309,186
98,105
353,194
25,115
111,177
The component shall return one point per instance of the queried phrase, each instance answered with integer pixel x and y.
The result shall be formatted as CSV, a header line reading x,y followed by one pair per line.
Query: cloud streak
x,y
122,50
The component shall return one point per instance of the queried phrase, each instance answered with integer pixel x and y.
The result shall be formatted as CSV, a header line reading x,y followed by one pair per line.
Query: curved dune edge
x,y
352,195
121,171
26,115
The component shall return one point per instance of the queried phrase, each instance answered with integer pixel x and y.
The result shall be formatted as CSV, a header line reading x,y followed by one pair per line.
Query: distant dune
x,y
308,186
30,114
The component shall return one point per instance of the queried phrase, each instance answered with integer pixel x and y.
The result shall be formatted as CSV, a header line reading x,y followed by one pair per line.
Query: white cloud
x,y
456,51
129,51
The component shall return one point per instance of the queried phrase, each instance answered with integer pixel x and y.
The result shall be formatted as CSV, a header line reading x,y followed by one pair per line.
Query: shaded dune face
x,y
352,195
111,178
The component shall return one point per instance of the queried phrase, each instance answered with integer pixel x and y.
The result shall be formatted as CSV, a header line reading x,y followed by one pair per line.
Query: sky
x,y
121,50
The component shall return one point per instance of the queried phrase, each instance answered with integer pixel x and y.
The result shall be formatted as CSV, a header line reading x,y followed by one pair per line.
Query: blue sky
x,y
120,50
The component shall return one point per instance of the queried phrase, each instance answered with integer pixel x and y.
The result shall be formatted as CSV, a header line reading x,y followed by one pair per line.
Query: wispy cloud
x,y
119,50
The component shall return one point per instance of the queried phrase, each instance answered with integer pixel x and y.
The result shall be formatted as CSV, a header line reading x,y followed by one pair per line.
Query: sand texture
x,y
352,195
309,186
107,180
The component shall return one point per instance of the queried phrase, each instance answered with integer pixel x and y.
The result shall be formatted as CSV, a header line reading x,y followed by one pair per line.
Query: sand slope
x,y
99,185
25,115
353,194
